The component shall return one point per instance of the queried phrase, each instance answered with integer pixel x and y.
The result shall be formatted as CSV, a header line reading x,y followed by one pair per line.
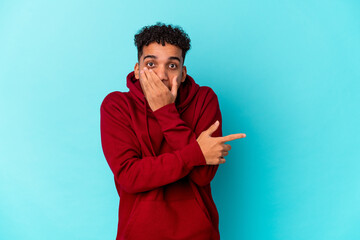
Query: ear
x,y
136,70
184,72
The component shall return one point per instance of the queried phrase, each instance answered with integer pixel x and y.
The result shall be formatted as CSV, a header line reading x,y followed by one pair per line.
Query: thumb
x,y
174,87
213,128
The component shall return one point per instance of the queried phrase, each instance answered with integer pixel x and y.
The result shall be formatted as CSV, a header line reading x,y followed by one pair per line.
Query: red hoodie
x,y
159,170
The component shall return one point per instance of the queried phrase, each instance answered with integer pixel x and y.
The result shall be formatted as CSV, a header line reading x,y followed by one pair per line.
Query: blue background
x,y
286,73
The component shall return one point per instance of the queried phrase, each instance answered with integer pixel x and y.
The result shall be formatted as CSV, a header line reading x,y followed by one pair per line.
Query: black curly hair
x,y
161,32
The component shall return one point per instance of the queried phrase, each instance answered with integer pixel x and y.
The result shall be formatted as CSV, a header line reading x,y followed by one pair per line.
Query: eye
x,y
150,64
172,65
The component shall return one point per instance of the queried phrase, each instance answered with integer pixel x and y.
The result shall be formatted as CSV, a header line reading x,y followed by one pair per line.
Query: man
x,y
162,141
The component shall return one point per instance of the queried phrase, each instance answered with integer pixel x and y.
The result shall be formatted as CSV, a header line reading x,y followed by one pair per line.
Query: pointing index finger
x,y
232,137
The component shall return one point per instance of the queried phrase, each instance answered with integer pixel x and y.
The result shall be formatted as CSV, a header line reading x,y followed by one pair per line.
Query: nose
x,y
162,73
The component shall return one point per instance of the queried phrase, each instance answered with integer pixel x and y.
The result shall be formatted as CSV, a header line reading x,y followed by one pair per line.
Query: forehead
x,y
162,52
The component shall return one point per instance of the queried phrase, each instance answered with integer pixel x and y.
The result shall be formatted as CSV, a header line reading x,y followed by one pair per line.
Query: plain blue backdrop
x,y
286,73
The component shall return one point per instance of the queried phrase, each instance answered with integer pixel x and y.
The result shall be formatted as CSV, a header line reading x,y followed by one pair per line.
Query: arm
x,y
132,171
178,134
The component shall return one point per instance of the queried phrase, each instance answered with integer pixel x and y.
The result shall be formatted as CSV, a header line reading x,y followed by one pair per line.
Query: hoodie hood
x,y
185,94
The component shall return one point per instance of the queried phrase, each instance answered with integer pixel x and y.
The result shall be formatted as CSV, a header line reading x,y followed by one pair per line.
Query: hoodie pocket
x,y
183,219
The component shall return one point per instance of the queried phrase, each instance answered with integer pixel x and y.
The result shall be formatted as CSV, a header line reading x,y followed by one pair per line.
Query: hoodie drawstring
x,y
147,128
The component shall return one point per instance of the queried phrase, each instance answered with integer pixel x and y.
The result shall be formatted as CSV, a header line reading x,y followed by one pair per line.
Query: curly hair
x,y
161,32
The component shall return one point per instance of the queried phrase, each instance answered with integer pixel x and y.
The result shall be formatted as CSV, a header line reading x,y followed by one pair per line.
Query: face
x,y
166,61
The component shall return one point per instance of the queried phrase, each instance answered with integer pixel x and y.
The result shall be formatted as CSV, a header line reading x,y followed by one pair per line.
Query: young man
x,y
163,142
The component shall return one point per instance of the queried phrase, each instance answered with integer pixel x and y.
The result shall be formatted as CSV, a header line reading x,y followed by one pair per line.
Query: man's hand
x,y
155,91
214,148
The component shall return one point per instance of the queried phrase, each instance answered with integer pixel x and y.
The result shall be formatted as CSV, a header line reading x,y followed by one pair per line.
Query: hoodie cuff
x,y
168,116
166,108
192,155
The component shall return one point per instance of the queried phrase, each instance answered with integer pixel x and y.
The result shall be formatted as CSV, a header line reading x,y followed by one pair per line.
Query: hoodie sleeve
x,y
132,171
178,134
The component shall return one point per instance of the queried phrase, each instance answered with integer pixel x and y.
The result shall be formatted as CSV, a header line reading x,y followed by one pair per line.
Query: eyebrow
x,y
153,56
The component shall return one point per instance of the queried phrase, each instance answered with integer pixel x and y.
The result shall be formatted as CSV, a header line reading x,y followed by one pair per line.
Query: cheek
x,y
178,76
178,79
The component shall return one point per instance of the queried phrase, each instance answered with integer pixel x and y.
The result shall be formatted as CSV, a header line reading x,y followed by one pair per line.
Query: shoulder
x,y
114,96
207,93
115,99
